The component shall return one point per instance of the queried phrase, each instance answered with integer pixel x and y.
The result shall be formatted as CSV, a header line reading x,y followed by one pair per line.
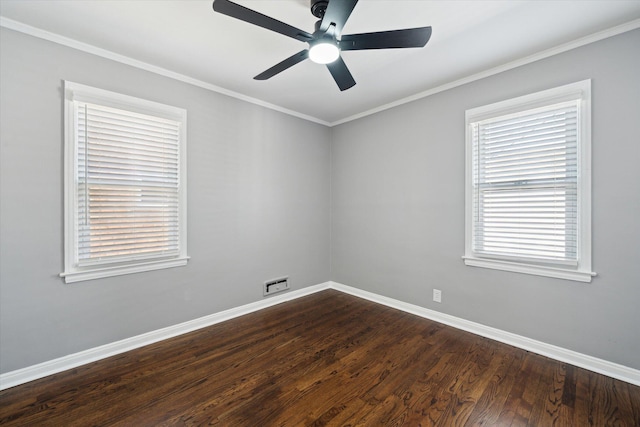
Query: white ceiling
x,y
188,38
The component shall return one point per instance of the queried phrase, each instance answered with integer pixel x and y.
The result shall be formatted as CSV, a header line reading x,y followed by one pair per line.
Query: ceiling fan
x,y
327,41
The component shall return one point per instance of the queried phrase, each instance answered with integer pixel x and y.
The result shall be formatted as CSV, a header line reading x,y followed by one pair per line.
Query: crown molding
x,y
85,47
592,38
103,53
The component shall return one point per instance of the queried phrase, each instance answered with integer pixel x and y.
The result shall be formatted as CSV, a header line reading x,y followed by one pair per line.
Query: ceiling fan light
x,y
324,53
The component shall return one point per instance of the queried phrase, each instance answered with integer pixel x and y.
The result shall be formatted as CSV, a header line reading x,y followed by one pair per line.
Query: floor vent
x,y
276,285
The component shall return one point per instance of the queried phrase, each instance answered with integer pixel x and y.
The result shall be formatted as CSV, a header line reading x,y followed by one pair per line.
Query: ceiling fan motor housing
x,y
318,7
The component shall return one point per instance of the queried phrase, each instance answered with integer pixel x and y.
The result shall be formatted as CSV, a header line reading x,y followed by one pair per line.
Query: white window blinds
x,y
127,185
525,184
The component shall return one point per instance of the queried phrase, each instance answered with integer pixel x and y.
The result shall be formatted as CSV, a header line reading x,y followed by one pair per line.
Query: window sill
x,y
537,270
99,273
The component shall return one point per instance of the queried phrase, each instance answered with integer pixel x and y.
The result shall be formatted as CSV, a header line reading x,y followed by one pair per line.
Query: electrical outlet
x,y
437,295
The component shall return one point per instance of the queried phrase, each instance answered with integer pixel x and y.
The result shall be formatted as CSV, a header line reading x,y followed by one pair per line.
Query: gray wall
x,y
258,208
380,199
398,208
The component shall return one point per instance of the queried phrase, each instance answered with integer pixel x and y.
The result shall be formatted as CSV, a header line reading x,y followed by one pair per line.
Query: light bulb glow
x,y
324,53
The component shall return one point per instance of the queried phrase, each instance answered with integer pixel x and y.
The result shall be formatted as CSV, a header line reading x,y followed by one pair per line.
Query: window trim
x,y
79,92
582,271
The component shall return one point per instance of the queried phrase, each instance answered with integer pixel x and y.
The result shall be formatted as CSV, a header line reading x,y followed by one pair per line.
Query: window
x,y
125,189
528,194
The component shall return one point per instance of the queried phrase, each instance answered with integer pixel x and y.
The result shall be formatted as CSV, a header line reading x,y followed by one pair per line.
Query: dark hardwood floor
x,y
325,359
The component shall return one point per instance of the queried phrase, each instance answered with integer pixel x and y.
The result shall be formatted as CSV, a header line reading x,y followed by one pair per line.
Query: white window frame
x,y
73,272
581,271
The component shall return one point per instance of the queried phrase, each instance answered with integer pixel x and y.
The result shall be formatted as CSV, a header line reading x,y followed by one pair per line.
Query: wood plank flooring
x,y
328,359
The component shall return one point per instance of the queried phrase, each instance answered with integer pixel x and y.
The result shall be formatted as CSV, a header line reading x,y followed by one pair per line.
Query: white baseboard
x,y
590,363
30,373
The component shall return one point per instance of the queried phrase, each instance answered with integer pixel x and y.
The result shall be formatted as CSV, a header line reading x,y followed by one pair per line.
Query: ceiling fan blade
x,y
281,66
338,11
341,74
234,10
410,37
